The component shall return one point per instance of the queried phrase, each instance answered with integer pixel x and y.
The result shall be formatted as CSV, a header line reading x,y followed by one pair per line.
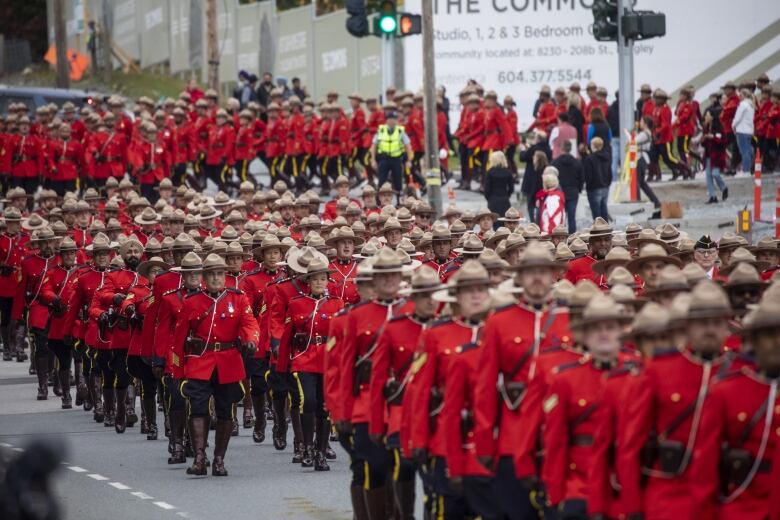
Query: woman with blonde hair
x,y
551,201
499,183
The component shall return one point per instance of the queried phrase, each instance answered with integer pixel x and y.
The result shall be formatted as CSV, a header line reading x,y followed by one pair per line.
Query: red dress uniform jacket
x,y
728,113
294,127
28,291
547,117
154,164
512,339
258,134
338,139
124,126
308,319
120,281
12,250
737,412
495,129
761,118
58,282
549,358
668,386
685,119
611,417
107,155
364,323
773,128
77,319
28,157
274,312
324,138
415,130
66,160
511,121
185,144
375,118
662,121
138,298
201,129
439,342
78,130
576,392
473,129
254,286
274,138
342,281
458,412
168,309
245,148
358,127
581,269
395,350
311,138
332,366
226,319
221,144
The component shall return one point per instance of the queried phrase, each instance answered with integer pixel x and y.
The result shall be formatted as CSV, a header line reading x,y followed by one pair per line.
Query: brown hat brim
x,y
634,264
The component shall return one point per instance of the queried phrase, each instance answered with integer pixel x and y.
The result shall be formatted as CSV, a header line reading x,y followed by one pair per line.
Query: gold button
x,y
446,352
741,416
675,397
367,332
572,466
400,349
582,402
518,339
565,339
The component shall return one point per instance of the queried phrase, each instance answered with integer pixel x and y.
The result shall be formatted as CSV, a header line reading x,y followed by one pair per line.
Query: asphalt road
x,y
105,475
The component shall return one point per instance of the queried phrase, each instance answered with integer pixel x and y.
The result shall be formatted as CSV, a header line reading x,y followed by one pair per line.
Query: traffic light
x,y
642,25
409,24
605,20
386,22
357,23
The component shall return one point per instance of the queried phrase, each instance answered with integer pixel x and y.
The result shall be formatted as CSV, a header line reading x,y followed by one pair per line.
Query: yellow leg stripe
x,y
366,476
669,153
685,145
300,390
396,464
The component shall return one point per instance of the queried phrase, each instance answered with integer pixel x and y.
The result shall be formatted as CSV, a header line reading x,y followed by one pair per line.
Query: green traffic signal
x,y
388,24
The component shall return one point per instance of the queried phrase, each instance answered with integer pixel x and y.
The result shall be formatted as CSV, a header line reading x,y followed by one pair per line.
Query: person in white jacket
x,y
743,128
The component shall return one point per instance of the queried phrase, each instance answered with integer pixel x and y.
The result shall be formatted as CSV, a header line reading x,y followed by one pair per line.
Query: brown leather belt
x,y
220,347
581,440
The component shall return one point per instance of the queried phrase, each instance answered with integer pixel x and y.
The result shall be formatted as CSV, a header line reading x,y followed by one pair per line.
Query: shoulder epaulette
x,y
342,312
440,322
568,366
452,267
359,304
728,375
665,352
280,280
234,290
551,348
625,369
253,271
193,294
399,317
171,291
503,308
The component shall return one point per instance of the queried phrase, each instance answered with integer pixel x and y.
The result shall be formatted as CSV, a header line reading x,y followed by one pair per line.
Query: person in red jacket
x,y
509,362
56,291
546,116
471,137
303,341
28,305
210,350
245,146
152,161
167,366
684,123
274,144
28,158
576,392
376,117
665,412
662,138
338,143
358,127
599,244
221,146
732,469
412,122
773,129
439,345
761,125
294,146
730,102
66,161
106,153
311,144
513,138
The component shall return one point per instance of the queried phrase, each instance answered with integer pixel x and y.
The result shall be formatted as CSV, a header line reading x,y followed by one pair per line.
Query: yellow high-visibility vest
x,y
390,143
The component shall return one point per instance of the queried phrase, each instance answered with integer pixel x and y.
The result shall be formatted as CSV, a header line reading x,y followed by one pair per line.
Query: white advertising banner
x,y
516,46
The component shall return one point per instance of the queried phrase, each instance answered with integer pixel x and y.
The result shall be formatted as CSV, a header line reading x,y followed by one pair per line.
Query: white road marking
x,y
97,477
77,469
141,495
164,505
119,486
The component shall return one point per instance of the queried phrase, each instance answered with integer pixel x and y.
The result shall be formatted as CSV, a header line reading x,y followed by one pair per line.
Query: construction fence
x,y
253,37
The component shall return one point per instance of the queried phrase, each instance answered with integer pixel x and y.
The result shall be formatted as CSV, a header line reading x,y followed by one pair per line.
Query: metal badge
x,y
230,307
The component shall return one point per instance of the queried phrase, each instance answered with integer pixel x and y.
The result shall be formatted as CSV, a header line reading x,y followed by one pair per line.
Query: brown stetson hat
x,y
708,300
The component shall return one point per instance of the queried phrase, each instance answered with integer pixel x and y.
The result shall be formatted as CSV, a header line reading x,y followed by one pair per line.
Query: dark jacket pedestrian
x,y
577,120
537,158
571,177
597,169
613,117
499,183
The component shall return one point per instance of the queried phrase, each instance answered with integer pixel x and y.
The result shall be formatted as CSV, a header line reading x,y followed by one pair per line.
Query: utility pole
x,y
60,40
105,41
626,72
213,46
431,159
388,63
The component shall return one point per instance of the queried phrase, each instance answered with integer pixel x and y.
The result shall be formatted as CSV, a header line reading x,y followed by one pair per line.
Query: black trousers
x,y
60,187
376,457
480,494
310,392
512,497
403,468
641,174
357,464
217,173
198,392
179,174
282,384
149,191
391,168
142,371
174,400
113,368
41,340
63,352
257,371
448,503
